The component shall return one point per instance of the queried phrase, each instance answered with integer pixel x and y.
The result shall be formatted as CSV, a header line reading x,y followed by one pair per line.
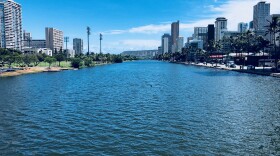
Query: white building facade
x,y
54,39
10,25
180,44
166,43
220,27
38,51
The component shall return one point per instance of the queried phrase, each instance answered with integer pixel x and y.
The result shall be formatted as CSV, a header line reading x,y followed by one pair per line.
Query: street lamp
x,y
100,38
88,33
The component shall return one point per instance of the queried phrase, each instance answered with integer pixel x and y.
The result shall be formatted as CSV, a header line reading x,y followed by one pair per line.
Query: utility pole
x,y
101,38
88,33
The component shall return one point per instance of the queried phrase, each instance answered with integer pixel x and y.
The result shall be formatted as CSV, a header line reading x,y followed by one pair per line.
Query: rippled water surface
x,y
140,108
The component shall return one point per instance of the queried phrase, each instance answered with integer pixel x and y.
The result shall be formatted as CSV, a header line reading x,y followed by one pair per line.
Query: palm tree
x,y
273,29
262,43
88,33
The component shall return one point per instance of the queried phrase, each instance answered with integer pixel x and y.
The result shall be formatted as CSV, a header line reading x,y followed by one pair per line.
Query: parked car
x,y
232,65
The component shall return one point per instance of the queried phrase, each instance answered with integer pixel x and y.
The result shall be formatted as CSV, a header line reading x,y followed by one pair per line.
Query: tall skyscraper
x,y
180,44
261,11
54,39
210,33
242,27
175,32
78,46
10,25
220,27
166,43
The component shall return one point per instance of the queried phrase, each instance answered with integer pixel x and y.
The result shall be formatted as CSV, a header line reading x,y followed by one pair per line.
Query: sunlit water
x,y
140,108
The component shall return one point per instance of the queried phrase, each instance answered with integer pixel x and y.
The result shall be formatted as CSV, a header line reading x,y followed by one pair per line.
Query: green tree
x,y
10,59
88,61
50,60
60,57
41,57
19,60
35,60
27,59
117,59
76,63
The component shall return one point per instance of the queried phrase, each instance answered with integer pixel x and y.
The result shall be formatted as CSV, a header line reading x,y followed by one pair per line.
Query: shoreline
x,y
222,67
35,70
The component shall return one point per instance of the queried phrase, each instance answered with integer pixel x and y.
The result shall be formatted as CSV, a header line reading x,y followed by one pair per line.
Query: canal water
x,y
140,108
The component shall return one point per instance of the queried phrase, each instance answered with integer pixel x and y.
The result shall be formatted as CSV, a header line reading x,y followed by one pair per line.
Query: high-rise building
x,y
26,39
159,50
78,46
166,43
175,32
261,11
210,33
26,36
54,39
200,33
242,27
251,25
220,27
10,25
180,44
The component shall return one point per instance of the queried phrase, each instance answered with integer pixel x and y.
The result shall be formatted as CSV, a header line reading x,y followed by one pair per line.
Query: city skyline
x,y
132,32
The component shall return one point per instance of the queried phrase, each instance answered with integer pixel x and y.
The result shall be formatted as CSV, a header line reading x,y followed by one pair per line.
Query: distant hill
x,y
142,54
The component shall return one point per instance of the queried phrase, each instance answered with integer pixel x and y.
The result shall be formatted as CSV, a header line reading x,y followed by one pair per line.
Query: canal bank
x,y
266,72
34,70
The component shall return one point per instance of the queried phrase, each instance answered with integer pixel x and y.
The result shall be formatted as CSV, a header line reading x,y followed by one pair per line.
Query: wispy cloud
x,y
147,29
234,10
140,43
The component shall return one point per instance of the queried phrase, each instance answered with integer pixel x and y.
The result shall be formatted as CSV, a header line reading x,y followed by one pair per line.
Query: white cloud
x,y
114,32
234,10
150,29
240,11
140,43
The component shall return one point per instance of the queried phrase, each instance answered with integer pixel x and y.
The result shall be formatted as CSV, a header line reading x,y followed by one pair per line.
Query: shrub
x,y
76,63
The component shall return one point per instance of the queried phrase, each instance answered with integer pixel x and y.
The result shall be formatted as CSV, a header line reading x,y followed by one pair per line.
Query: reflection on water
x,y
144,107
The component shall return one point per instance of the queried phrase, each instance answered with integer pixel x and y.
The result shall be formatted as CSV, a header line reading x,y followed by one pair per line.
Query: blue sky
x,y
130,24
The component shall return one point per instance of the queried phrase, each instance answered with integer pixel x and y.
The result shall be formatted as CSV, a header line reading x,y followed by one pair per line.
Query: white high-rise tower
x,y
10,25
